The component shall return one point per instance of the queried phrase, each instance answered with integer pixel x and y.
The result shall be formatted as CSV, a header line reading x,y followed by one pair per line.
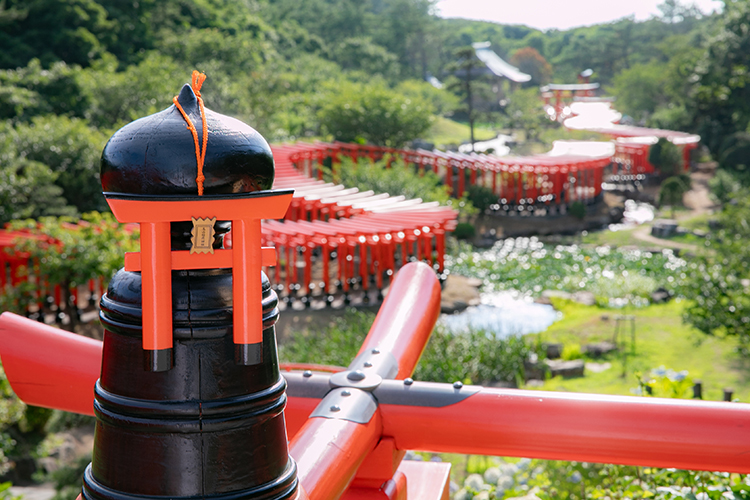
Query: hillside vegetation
x,y
72,72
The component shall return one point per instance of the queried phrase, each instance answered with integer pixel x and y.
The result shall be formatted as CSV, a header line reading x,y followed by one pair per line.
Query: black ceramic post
x,y
205,427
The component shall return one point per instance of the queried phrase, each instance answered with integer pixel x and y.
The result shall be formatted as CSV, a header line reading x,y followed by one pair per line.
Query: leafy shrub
x,y
663,383
666,157
28,190
68,147
481,197
69,253
68,480
473,356
715,280
442,101
733,155
361,54
571,351
398,180
34,90
577,210
464,231
336,345
374,113
726,185
672,190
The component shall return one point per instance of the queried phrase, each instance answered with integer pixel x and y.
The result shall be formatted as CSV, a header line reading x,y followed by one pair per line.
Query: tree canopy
x,y
73,72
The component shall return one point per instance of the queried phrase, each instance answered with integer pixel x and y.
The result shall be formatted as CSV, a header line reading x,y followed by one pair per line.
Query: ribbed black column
x,y
206,428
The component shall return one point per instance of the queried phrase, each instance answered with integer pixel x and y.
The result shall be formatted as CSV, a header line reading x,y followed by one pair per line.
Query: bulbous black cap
x,y
155,155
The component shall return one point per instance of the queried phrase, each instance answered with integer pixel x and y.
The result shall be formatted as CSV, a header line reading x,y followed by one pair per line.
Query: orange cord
x,y
200,151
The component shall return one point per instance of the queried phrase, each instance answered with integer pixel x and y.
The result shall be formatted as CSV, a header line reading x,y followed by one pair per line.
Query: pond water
x,y
503,313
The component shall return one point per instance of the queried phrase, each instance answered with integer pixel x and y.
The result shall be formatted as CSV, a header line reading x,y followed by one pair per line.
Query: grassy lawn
x,y
446,132
661,340
614,238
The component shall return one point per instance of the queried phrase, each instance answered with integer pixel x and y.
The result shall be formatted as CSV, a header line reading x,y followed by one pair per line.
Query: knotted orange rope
x,y
200,151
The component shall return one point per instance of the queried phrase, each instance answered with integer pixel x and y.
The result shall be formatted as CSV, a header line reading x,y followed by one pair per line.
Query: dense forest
x,y
72,72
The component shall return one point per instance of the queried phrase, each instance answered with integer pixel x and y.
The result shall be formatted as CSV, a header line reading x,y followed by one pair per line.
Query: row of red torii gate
x,y
335,240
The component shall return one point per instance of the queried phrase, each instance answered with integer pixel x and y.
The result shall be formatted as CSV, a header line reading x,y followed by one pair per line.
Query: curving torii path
x,y
335,238
373,234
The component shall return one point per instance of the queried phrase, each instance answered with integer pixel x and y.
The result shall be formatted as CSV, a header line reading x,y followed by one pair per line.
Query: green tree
x,y
66,146
70,253
722,79
468,76
640,89
28,190
725,186
718,280
74,31
34,90
525,112
362,54
442,101
666,157
375,114
672,190
120,95
406,28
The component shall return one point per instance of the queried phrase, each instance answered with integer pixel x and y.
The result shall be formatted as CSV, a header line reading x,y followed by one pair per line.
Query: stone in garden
x,y
660,295
663,228
554,350
566,369
599,349
584,298
533,370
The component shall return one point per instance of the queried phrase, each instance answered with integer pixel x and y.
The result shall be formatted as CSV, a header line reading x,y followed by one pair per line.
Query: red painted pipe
x,y
626,430
56,369
406,318
328,453
49,367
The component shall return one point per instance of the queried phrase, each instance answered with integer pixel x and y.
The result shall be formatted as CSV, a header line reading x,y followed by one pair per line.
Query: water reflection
x,y
504,314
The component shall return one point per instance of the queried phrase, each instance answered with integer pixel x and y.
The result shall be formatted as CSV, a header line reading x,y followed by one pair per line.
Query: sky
x,y
559,14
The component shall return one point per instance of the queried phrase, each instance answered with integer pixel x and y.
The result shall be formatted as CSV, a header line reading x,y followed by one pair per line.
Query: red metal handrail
x,y
52,368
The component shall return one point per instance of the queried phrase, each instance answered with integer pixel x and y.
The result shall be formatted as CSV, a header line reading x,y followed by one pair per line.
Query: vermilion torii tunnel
x,y
188,393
